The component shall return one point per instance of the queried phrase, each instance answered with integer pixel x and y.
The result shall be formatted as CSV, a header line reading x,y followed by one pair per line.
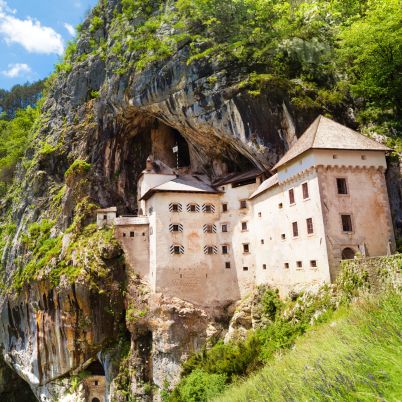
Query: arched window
x,y
348,254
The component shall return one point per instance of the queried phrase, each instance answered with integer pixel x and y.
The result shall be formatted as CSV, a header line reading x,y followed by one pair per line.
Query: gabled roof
x,y
325,133
265,185
238,177
182,184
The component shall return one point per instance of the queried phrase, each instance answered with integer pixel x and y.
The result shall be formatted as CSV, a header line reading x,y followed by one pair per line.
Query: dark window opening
x,y
105,217
175,228
132,234
280,205
224,227
243,204
286,265
262,241
96,383
244,226
227,264
295,229
124,234
225,249
246,248
224,207
348,254
259,214
299,264
283,236
305,191
342,186
313,263
264,266
310,227
245,268
346,223
175,208
176,249
95,368
291,196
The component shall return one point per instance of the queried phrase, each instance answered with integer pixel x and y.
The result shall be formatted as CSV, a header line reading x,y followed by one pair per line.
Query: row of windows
x,y
299,264
207,228
208,249
194,207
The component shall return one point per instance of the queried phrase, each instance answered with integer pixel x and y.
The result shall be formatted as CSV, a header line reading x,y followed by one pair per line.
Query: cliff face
x,y
101,119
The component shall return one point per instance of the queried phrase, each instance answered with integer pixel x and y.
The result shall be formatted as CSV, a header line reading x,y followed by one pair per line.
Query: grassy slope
x,y
356,357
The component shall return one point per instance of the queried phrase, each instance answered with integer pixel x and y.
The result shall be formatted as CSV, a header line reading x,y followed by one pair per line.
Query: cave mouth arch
x,y
95,368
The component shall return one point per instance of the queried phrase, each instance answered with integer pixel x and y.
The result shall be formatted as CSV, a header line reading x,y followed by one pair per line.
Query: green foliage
x,y
14,139
356,357
201,386
271,303
78,169
96,23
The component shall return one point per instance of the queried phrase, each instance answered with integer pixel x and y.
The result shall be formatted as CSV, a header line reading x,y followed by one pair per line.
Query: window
x,y
209,228
227,264
313,263
244,226
132,234
264,266
310,227
286,265
346,223
150,210
224,227
225,249
262,241
283,236
224,207
280,205
175,207
334,156
96,383
245,268
176,249
341,185
259,214
175,227
364,157
305,191
299,264
193,208
208,208
104,217
291,196
124,234
295,229
210,250
243,204
246,248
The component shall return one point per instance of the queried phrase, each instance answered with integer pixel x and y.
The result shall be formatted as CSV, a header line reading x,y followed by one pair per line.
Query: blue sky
x,y
33,35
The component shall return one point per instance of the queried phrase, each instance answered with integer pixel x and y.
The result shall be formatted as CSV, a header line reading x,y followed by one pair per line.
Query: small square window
x,y
224,227
310,227
262,241
286,265
210,250
175,228
208,208
193,208
313,263
124,234
280,205
176,249
96,383
283,236
224,207
299,264
104,217
243,204
259,214
209,228
131,234
295,229
246,248
244,226
227,264
245,268
305,191
175,208
264,266
291,196
225,249
334,156
346,223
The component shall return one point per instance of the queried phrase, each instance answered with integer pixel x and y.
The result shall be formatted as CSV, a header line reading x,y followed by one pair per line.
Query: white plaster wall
x,y
109,221
275,221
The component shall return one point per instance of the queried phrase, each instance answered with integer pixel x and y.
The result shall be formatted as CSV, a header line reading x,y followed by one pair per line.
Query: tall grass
x,y
357,357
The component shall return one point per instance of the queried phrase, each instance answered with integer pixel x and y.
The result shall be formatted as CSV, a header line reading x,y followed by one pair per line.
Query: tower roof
x,y
325,133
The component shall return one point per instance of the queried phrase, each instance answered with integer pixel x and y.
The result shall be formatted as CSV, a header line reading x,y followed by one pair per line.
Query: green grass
x,y
357,357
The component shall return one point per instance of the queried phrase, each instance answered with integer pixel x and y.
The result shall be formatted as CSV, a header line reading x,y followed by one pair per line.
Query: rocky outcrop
x,y
104,112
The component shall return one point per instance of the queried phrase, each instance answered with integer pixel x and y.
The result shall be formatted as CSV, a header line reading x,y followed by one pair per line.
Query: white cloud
x,y
16,70
29,33
69,28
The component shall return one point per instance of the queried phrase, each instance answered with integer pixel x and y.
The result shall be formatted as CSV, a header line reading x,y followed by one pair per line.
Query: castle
x,y
212,242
